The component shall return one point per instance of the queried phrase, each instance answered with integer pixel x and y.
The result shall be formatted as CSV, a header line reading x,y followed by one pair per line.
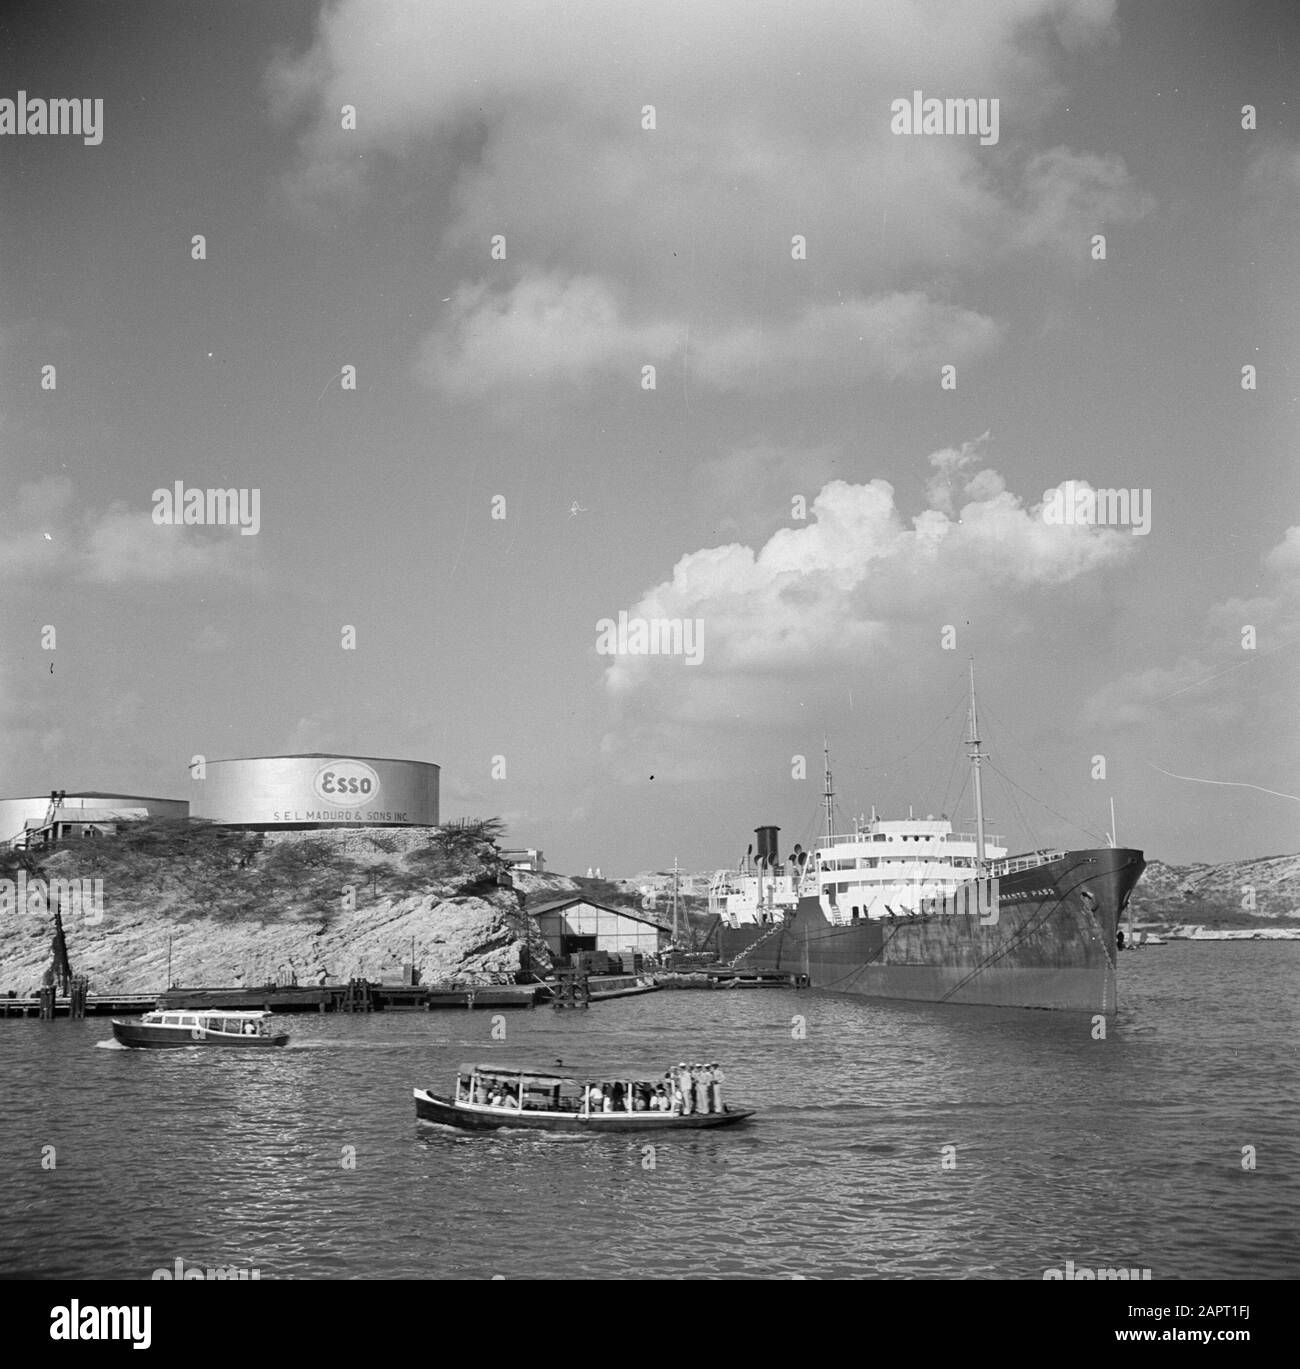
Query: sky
x,y
523,317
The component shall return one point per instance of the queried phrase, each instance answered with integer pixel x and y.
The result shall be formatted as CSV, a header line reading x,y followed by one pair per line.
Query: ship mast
x,y
828,793
973,742
675,869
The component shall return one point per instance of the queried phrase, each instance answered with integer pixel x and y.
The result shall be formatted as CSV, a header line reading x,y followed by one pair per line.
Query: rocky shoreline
x,y
245,909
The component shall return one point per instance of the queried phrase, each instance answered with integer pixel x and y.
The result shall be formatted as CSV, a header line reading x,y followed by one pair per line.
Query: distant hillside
x,y
1238,893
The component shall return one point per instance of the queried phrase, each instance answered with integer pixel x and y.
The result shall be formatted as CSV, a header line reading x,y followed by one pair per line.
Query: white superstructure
x,y
890,867
881,867
884,868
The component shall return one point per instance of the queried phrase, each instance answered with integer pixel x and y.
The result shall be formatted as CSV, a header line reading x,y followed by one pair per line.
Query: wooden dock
x,y
360,996
96,1005
355,996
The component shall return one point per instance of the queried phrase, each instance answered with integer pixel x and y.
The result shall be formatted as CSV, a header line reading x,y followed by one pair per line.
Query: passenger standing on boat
x,y
716,1088
701,1088
685,1088
480,1091
594,1098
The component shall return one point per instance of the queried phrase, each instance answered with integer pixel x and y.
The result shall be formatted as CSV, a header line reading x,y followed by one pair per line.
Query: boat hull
x,y
431,1107
168,1038
1053,944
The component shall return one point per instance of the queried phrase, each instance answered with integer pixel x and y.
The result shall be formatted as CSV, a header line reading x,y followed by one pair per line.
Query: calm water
x,y
1122,1152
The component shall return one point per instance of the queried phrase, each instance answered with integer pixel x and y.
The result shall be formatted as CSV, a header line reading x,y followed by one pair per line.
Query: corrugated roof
x,y
554,906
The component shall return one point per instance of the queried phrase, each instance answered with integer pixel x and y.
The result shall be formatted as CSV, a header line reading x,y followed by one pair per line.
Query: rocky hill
x,y
1239,893
238,909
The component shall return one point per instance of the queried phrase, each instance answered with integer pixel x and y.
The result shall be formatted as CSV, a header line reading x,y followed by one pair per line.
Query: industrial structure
x,y
52,817
575,924
319,789
527,859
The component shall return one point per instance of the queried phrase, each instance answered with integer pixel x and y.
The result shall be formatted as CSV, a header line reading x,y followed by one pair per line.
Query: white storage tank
x,y
316,790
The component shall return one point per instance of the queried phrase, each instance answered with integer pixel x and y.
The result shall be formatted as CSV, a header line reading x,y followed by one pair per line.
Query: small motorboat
x,y
489,1097
173,1028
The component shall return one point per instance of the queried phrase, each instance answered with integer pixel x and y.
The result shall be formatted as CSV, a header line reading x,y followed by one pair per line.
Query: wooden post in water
x,y
572,989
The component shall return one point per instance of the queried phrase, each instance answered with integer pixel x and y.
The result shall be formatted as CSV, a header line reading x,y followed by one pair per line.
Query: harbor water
x,y
893,1141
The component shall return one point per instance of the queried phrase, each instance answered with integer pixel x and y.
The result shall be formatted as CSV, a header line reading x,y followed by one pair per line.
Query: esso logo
x,y
346,784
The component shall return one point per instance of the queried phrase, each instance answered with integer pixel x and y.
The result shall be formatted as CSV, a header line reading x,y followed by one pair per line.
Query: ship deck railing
x,y
1026,862
913,839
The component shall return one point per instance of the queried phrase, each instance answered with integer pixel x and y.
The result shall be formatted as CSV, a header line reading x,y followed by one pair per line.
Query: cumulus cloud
x,y
770,120
859,573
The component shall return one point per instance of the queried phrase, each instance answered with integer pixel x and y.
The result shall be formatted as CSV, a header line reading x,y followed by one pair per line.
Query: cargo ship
x,y
911,909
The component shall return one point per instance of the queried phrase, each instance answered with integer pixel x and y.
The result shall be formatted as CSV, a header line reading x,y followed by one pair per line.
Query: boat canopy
x,y
253,1015
584,1071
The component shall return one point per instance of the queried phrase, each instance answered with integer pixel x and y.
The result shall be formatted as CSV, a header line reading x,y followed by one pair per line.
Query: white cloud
x,y
126,545
548,329
1068,196
814,598
771,120
545,329
837,344
45,533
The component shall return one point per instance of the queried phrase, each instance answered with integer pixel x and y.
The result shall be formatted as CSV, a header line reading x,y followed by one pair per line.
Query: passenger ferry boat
x,y
546,1100
913,909
209,1027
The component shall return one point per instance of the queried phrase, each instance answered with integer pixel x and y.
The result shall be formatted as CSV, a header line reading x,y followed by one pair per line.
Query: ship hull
x,y
1052,943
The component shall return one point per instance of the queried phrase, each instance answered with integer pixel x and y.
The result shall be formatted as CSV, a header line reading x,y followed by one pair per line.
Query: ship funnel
x,y
766,844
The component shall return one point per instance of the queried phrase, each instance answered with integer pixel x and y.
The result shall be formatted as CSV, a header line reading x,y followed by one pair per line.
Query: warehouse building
x,y
575,924
318,789
59,815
